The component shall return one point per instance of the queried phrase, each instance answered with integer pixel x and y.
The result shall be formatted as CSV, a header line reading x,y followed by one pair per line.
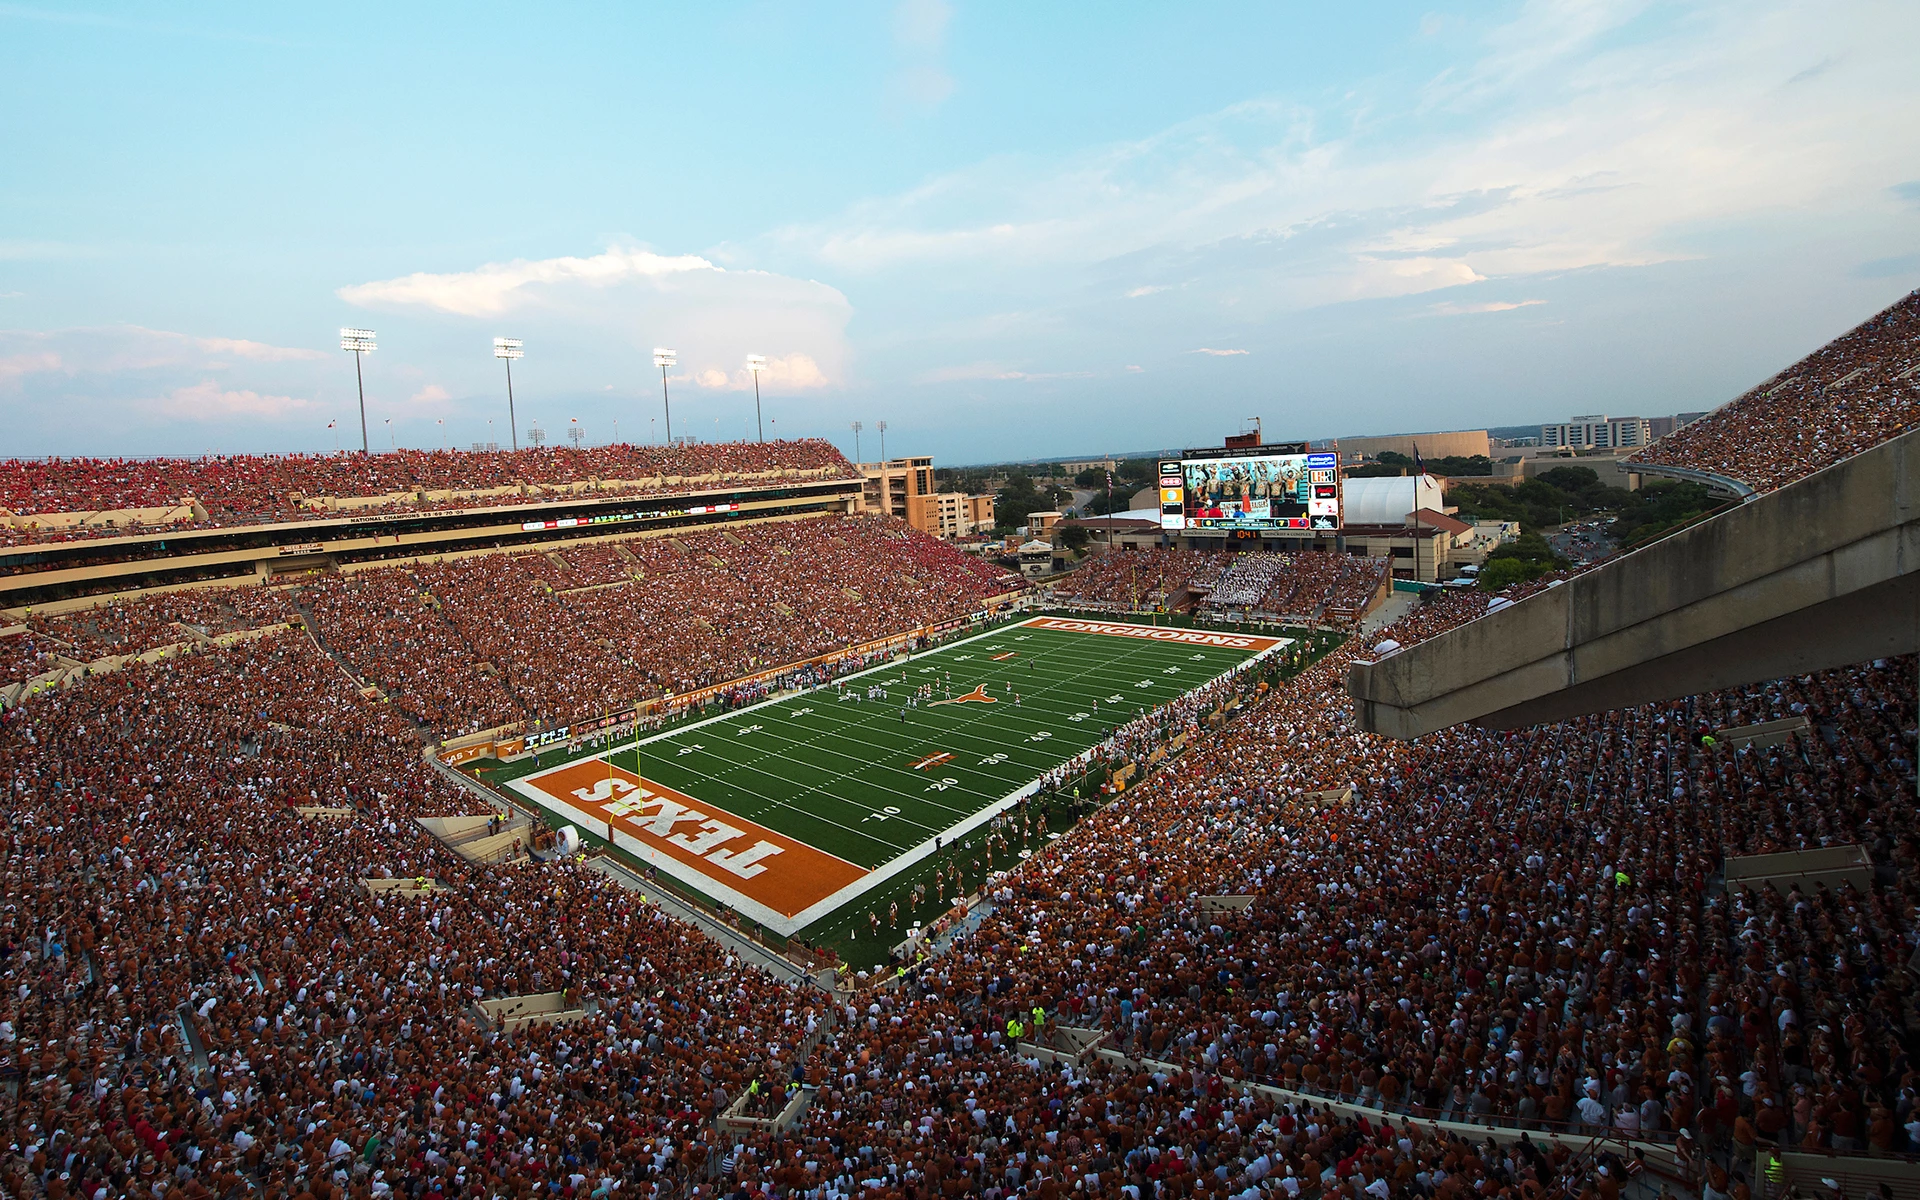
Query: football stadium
x,y
824,795
1518,813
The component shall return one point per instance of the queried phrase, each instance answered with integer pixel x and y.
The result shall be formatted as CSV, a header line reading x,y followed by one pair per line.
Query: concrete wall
x,y
1818,574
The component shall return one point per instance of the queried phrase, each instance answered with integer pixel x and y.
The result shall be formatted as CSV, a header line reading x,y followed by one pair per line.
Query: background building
x,y
1461,443
903,487
1598,432
1662,426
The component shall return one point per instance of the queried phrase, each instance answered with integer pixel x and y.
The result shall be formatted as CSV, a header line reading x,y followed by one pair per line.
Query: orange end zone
x,y
759,863
1159,633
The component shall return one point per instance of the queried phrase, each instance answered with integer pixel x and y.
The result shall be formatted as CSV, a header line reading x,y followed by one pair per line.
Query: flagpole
x,y
1419,473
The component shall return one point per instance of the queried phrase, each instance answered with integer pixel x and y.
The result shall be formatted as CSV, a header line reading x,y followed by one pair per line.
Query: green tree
x,y
1526,557
1505,572
1074,537
1659,506
1018,498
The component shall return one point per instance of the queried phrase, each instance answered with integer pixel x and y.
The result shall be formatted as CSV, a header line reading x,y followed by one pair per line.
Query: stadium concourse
x,y
1298,960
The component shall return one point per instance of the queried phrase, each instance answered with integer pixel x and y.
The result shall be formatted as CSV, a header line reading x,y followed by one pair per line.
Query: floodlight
x,y
359,342
757,363
664,358
510,349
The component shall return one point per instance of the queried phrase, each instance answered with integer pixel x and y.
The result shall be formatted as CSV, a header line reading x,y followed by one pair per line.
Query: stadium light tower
x,y
359,342
664,358
857,427
757,363
883,441
510,349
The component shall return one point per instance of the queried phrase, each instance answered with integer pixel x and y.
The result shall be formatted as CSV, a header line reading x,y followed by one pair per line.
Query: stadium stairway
x,y
317,636
1822,573
743,948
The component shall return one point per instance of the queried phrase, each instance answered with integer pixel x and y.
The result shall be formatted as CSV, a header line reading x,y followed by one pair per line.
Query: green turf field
x,y
880,783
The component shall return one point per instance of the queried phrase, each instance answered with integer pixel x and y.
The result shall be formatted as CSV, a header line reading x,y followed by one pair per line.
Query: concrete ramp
x,y
1809,870
1819,574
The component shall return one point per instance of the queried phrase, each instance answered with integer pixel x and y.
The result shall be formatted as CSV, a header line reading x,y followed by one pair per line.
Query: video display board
x,y
1260,489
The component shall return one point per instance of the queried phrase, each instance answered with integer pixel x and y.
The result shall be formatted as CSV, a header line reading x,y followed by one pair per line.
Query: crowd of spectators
x,y
1358,582
202,996
1139,579
1520,928
1855,392
1304,586
391,632
161,619
1246,582
240,489
481,641
1307,586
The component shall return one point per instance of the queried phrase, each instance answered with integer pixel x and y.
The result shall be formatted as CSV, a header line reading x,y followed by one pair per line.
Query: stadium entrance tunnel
x,y
1822,573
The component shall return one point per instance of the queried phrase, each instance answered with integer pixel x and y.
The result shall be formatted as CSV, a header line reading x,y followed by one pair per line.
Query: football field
x,y
790,809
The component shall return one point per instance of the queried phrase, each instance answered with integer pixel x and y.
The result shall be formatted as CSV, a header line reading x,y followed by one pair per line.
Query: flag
x,y
1419,468
331,424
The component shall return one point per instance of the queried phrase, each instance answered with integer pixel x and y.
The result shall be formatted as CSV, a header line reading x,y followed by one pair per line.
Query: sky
x,y
1009,231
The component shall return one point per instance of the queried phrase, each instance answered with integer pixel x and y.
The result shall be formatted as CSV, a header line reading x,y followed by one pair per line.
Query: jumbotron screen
x,y
1259,489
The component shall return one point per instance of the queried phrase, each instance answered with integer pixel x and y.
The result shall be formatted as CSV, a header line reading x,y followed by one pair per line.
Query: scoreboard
x,y
1250,491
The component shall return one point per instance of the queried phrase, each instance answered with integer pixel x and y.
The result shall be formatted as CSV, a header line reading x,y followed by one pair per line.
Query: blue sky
x,y
1006,230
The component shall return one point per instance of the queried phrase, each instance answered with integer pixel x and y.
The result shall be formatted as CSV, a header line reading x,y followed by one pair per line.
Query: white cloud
x,y
1136,293
921,79
258,351
994,372
498,288
1568,142
15,366
789,372
431,395
208,401
921,23
582,317
1134,370
1218,353
1452,309
111,349
112,388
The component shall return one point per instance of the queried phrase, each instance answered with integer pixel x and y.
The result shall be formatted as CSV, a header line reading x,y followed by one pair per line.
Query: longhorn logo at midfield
x,y
977,696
